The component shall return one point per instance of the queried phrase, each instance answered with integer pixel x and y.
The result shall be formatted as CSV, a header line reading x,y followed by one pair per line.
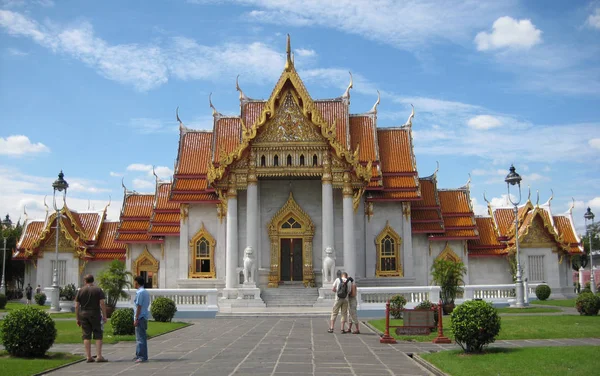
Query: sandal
x,y
101,360
356,332
329,330
344,332
90,360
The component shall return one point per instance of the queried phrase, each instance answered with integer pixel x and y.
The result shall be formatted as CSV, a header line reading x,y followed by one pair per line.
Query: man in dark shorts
x,y
89,304
28,293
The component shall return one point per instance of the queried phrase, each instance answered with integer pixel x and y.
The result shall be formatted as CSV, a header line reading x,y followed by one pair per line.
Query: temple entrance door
x,y
147,278
291,259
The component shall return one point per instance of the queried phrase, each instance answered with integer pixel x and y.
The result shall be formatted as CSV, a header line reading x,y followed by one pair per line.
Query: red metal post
x,y
386,338
440,338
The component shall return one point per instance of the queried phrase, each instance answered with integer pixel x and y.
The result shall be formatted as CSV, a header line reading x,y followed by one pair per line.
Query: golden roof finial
x,y
410,117
572,205
468,185
123,185
537,200
25,212
109,202
215,112
436,169
177,116
237,87
154,173
374,109
551,197
288,52
347,92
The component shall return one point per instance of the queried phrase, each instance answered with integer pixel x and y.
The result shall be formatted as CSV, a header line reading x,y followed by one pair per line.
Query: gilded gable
x,y
289,125
537,234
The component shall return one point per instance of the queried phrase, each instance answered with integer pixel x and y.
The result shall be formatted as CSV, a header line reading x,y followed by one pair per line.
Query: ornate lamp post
x,y
6,224
515,179
60,185
589,216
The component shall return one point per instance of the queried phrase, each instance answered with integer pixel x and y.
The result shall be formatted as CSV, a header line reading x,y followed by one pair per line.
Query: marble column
x,y
327,213
231,242
184,252
252,207
349,254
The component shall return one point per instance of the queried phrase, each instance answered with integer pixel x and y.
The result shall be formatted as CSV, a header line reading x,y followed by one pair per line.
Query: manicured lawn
x,y
559,303
521,327
10,366
69,332
528,310
533,361
11,306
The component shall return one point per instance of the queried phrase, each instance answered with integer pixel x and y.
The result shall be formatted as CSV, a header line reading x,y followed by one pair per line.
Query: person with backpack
x,y
342,286
352,308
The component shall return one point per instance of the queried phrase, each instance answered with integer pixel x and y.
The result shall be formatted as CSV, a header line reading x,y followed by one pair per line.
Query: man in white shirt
x,y
341,287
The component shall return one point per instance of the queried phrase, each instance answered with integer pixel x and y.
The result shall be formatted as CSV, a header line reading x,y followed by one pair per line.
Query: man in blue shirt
x,y
142,301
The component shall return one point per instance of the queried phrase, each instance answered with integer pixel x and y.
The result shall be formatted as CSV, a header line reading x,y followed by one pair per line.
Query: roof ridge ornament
x,y
537,200
182,127
374,109
109,202
289,63
468,185
550,199
243,96
25,213
570,211
410,117
346,94
215,112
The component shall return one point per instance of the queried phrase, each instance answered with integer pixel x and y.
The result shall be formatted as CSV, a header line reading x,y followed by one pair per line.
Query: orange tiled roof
x,y
429,194
31,232
488,243
166,218
363,134
100,256
251,111
137,205
163,230
335,110
194,153
454,201
139,237
565,229
194,184
400,182
227,134
131,225
458,234
395,150
90,223
427,227
194,197
418,214
162,198
19,255
505,219
458,217
395,196
106,240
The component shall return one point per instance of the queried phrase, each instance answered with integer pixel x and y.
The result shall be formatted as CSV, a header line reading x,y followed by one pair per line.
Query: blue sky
x,y
92,87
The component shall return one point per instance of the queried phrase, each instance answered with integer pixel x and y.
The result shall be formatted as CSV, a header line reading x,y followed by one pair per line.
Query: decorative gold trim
x,y
82,264
356,200
448,254
305,232
406,210
222,207
202,233
146,263
347,187
309,110
162,251
389,231
184,212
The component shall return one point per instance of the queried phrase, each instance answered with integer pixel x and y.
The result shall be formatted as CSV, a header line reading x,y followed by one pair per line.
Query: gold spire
x,y
215,112
288,53
347,92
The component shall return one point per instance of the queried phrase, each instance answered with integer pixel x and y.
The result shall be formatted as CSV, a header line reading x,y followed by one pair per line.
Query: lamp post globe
x,y
60,185
589,216
513,178
6,225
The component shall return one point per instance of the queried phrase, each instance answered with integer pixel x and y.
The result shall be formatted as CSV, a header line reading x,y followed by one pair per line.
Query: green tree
x,y
584,259
14,269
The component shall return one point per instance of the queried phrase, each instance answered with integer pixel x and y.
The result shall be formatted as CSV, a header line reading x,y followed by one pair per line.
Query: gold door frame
x,y
146,263
305,232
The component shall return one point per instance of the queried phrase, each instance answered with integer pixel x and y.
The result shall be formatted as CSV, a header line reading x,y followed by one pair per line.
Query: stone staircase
x,y
290,296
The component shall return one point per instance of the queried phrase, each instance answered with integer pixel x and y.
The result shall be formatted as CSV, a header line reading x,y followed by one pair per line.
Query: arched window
x,y
289,160
263,161
291,223
276,161
315,160
301,159
388,244
202,249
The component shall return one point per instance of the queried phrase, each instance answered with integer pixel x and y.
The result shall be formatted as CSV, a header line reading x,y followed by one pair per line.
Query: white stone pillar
x,y
231,242
349,253
252,207
327,209
184,253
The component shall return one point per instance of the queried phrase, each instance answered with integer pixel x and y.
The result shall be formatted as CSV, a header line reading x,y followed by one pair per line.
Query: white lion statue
x,y
328,265
249,263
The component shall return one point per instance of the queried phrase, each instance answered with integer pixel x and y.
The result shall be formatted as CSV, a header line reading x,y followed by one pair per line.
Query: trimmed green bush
x,y
475,324
68,292
163,309
426,304
397,304
122,321
543,292
3,301
587,304
40,299
28,332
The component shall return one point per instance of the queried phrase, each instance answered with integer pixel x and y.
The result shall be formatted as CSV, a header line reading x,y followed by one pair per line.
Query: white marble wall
x,y
422,260
45,271
551,266
489,270
94,268
169,265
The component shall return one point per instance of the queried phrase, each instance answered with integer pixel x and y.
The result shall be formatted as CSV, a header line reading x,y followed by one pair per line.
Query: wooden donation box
x,y
416,322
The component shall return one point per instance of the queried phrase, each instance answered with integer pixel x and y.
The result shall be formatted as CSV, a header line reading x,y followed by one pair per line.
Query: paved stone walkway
x,y
271,346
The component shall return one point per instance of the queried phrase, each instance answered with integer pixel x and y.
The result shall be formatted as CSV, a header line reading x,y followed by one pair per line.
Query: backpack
x,y
342,291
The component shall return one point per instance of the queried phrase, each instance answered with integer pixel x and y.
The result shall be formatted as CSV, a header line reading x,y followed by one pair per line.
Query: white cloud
x,y
484,122
16,52
115,174
162,172
139,167
535,177
404,24
594,19
19,145
595,143
149,125
141,184
303,52
146,67
509,33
